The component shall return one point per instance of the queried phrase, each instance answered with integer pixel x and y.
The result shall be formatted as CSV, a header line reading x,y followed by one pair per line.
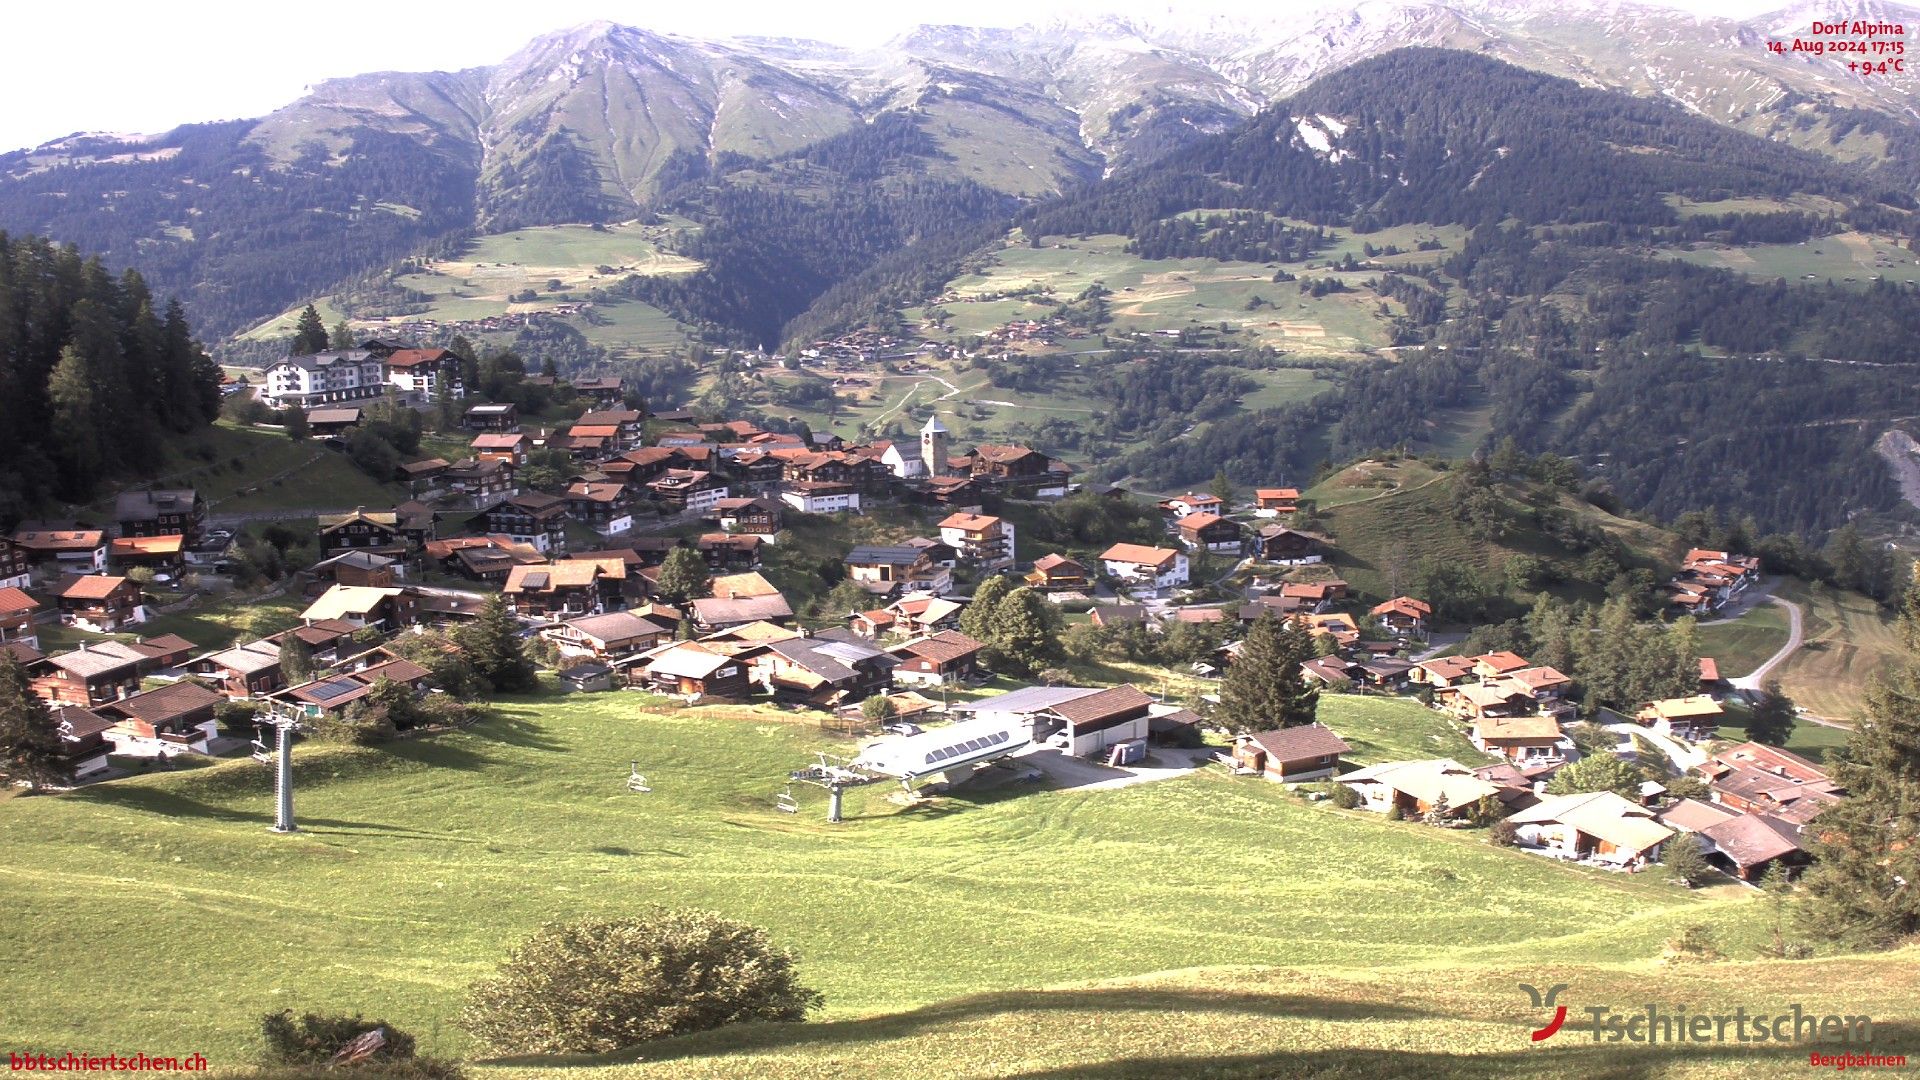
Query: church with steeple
x,y
933,447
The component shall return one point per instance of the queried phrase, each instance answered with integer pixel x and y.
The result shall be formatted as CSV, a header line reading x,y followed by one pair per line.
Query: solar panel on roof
x,y
536,581
329,691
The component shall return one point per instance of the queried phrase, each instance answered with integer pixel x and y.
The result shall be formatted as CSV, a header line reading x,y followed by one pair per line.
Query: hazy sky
x,y
112,65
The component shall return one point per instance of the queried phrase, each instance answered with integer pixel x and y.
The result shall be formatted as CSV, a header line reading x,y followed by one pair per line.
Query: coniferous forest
x,y
96,374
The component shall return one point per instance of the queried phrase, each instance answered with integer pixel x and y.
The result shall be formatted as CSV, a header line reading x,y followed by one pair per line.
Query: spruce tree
x,y
1263,687
309,335
296,660
684,577
76,415
1864,890
1772,720
494,648
31,750
342,337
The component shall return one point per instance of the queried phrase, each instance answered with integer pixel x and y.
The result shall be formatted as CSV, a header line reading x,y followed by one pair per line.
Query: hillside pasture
x,y
420,863
1850,258
1848,640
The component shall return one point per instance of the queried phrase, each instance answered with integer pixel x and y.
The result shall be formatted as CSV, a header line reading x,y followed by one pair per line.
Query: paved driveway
x,y
1071,772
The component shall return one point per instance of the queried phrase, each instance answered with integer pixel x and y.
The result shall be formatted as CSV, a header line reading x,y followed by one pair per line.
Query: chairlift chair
x,y
785,802
262,752
635,781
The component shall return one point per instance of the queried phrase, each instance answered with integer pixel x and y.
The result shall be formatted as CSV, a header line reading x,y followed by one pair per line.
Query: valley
x,y
1134,546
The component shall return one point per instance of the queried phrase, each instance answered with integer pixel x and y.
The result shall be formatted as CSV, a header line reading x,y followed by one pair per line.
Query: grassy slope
x,y
1847,258
1273,1022
480,283
421,863
1848,640
238,469
1174,294
1742,644
1390,515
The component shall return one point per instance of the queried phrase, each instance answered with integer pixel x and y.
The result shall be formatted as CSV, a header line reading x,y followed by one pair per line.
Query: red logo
x,y
1546,1001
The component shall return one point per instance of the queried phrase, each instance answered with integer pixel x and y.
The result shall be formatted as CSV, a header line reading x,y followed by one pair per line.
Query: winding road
x,y
1757,678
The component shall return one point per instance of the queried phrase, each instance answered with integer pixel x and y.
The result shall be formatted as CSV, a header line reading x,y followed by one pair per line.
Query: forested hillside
x,y
95,374
208,216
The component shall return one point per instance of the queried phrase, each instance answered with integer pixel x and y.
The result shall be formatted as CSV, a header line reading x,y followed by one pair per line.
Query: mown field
x,y
1742,644
1153,295
1848,640
483,281
162,905
1848,258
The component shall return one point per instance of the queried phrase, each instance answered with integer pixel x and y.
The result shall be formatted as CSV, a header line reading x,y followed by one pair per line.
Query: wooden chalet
x,y
1291,755
1058,573
943,657
102,604
1207,531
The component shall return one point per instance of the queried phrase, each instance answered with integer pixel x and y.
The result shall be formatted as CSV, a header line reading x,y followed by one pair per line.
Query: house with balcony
x,y
534,518
982,540
157,512
100,603
1138,565
420,375
602,507
324,378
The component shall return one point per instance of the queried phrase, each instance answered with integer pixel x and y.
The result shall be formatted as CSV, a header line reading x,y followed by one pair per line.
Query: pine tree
x,y
494,648
342,337
294,419
1263,687
75,412
31,750
309,335
296,660
1222,488
1865,888
1773,719
684,577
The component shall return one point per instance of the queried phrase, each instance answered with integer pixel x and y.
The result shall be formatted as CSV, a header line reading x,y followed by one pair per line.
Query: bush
x,y
1504,833
1395,813
237,717
1687,862
1342,796
314,1038
591,987
1693,944
357,727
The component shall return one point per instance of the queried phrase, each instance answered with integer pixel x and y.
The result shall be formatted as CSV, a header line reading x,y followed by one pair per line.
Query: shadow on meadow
x,y
1586,1059
749,1039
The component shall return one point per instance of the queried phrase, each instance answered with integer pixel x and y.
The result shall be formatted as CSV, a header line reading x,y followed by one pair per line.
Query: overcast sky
x,y
112,65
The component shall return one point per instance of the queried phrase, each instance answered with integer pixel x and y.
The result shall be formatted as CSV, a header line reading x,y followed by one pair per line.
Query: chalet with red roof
x,y
102,604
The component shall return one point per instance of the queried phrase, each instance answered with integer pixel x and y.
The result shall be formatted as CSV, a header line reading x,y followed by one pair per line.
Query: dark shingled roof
x,y
1300,743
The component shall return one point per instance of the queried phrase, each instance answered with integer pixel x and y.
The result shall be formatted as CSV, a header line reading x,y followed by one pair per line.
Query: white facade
x,y
1173,577
325,377
699,500
901,464
813,503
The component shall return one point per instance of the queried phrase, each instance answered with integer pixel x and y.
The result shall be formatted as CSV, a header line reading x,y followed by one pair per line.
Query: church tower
x,y
933,446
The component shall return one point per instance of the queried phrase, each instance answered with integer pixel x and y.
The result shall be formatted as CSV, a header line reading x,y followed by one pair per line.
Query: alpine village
x,y
1057,552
